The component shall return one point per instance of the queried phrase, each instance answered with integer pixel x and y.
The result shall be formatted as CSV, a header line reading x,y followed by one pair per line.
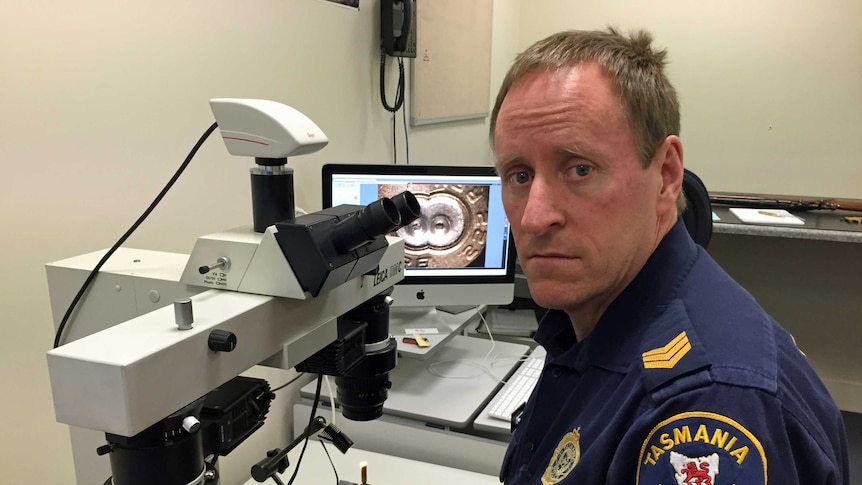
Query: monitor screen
x,y
460,251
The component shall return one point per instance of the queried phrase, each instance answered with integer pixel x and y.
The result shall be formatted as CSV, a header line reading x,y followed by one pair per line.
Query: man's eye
x,y
581,170
519,177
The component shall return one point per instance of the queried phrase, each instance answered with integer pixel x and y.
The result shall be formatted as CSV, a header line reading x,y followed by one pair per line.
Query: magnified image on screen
x,y
451,231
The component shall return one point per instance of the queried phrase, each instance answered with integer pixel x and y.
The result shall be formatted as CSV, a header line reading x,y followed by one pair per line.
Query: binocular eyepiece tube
x,y
380,217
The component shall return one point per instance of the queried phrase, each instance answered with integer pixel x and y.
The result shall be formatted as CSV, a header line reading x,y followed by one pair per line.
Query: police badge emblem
x,y
564,459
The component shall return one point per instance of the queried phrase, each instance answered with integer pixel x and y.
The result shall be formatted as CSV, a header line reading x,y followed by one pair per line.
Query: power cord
x,y
331,397
399,97
490,334
301,374
58,337
406,137
482,369
310,423
330,462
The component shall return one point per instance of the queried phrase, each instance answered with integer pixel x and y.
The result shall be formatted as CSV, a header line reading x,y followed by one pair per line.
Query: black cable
x,y
330,462
399,94
59,335
310,422
277,480
406,135
289,382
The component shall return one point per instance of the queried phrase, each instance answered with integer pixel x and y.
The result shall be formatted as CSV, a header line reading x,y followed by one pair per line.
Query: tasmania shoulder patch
x,y
701,448
564,459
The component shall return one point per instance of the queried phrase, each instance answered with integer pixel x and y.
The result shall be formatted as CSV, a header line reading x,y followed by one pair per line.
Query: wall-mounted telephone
x,y
398,27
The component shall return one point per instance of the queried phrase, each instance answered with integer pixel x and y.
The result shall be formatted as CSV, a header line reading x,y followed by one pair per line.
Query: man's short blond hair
x,y
635,68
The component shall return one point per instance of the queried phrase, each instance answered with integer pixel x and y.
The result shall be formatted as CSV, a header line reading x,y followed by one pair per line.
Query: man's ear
x,y
668,157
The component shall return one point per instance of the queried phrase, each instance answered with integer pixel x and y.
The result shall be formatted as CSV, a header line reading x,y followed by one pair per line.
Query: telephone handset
x,y
398,27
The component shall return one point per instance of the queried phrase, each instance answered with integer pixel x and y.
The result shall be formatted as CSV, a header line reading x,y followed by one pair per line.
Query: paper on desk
x,y
422,331
766,216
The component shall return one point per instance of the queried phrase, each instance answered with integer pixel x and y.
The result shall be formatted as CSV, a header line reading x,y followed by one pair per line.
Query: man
x,y
660,369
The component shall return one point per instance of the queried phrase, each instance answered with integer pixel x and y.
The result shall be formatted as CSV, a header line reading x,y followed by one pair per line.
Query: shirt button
x,y
556,372
531,447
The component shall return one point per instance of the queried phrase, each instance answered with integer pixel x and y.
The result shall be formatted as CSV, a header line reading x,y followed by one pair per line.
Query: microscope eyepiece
x,y
378,218
408,207
328,248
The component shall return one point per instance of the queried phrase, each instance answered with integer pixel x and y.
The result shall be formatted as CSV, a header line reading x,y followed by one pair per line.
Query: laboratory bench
x,y
381,469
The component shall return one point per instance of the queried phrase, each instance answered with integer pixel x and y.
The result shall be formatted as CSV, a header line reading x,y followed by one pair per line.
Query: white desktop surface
x,y
447,401
402,320
382,469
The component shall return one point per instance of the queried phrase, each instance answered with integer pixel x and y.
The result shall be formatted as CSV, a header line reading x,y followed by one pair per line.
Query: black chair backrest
x,y
698,213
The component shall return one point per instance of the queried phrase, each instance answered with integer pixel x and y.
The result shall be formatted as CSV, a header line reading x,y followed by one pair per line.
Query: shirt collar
x,y
614,342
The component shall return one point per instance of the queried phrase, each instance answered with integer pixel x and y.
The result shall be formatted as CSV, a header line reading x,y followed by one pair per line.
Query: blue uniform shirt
x,y
685,379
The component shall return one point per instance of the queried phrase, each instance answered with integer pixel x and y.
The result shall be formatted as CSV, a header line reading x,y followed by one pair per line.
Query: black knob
x,y
221,341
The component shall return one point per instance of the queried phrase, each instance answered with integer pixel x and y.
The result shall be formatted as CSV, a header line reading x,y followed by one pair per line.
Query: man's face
x,y
582,207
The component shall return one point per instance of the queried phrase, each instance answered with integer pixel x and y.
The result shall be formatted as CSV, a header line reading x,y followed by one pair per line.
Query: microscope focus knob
x,y
191,424
221,341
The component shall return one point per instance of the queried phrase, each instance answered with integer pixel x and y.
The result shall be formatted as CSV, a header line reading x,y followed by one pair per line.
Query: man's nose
x,y
544,208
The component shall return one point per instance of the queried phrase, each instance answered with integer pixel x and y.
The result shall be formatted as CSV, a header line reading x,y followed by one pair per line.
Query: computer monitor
x,y
460,252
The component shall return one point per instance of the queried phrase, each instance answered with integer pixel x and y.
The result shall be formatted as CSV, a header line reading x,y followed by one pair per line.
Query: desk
x,y
428,417
819,226
447,401
382,469
403,320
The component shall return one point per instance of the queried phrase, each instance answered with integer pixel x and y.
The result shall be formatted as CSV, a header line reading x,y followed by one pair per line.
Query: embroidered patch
x,y
666,357
701,448
702,469
565,457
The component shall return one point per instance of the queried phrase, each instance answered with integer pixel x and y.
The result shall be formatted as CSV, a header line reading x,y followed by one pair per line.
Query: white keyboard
x,y
518,388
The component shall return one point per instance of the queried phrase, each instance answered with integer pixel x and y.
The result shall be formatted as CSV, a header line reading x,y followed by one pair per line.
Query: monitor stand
x,y
436,325
453,309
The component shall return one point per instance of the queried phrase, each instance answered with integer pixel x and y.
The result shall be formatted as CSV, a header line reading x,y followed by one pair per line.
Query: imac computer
x,y
460,253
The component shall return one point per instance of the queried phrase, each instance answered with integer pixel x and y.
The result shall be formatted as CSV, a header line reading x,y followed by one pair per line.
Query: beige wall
x,y
810,297
101,100
771,90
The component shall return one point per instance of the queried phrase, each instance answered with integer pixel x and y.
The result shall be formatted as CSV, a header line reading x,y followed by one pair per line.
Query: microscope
x,y
309,291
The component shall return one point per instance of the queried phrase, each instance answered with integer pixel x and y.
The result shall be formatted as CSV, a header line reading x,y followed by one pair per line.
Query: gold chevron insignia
x,y
666,357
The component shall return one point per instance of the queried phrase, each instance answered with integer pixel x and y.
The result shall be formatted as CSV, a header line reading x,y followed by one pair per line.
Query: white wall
x,y
771,90
99,103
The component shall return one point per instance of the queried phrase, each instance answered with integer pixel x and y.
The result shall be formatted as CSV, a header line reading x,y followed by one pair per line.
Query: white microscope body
x,y
271,296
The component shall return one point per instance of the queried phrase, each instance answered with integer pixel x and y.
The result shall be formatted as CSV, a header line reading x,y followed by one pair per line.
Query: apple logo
x,y
420,295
